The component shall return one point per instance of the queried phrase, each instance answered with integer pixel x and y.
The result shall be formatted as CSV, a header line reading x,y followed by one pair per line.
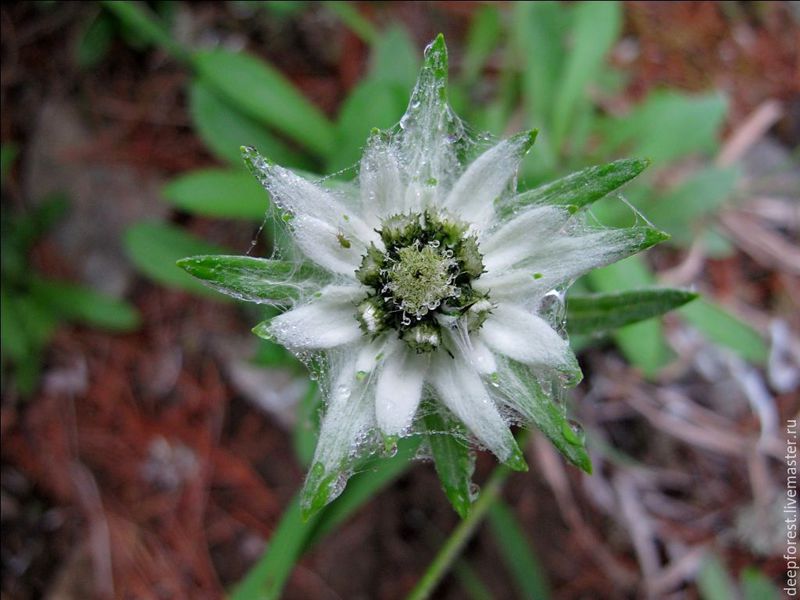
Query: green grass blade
x,y
528,574
722,328
597,25
140,19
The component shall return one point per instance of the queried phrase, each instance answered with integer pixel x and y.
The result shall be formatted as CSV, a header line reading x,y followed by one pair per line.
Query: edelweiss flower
x,y
436,287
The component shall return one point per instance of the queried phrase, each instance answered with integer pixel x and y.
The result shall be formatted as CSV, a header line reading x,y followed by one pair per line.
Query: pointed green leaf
x,y
83,305
722,328
453,459
538,406
224,129
527,573
578,189
252,279
260,91
155,247
218,193
642,343
593,313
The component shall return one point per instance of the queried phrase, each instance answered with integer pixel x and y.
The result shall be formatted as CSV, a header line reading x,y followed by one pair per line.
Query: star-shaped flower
x,y
430,295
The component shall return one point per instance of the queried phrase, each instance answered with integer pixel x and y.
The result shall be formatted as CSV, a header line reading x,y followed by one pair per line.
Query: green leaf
x,y
757,586
13,338
395,59
224,129
714,582
642,343
578,189
155,247
262,92
454,460
349,14
597,25
484,33
250,279
146,26
371,104
8,154
527,572
539,406
595,313
681,211
538,29
94,41
669,125
83,305
722,328
219,193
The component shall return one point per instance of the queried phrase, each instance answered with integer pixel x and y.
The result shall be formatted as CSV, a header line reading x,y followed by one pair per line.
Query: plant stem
x,y
463,532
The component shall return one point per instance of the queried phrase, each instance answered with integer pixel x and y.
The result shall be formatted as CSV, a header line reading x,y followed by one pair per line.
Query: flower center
x,y
422,280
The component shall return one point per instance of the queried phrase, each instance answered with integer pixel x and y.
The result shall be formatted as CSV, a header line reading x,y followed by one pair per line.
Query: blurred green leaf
x,y
526,570
395,59
722,328
669,125
680,212
484,33
253,279
714,582
595,313
224,130
474,588
94,41
349,14
453,459
596,27
83,305
371,104
538,29
642,343
757,586
155,248
143,23
219,193
262,92
8,154
578,189
13,338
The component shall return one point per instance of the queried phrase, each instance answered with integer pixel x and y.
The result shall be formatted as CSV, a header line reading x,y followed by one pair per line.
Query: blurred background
x,y
150,443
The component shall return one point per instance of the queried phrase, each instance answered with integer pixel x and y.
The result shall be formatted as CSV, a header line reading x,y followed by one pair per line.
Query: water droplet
x,y
474,491
573,432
